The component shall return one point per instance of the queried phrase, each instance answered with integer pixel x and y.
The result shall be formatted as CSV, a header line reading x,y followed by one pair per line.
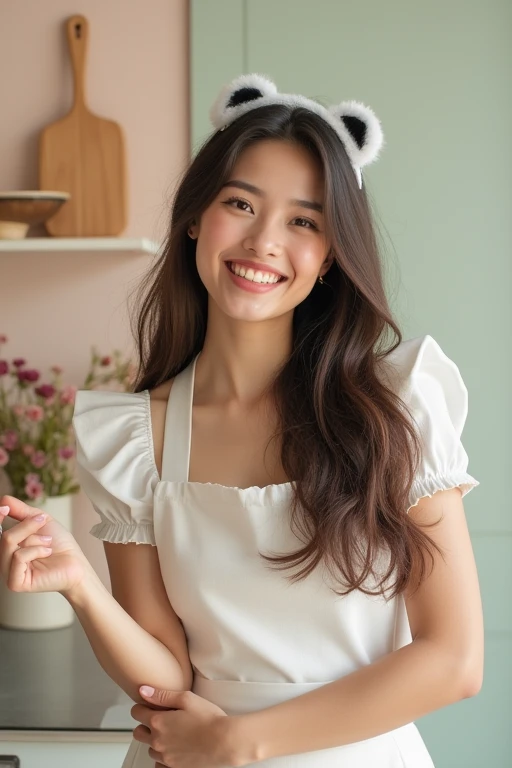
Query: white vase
x,y
41,610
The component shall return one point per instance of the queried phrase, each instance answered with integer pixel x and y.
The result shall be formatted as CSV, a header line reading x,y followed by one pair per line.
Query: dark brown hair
x,y
346,442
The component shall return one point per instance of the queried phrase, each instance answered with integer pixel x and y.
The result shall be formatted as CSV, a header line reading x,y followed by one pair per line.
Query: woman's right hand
x,y
28,562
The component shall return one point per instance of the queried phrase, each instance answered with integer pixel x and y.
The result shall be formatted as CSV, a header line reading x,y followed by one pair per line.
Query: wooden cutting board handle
x,y
78,40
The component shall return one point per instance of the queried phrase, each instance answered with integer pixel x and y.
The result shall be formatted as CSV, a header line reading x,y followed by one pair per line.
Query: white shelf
x,y
121,245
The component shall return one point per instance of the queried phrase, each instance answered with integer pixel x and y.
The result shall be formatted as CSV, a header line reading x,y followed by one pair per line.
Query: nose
x,y
265,238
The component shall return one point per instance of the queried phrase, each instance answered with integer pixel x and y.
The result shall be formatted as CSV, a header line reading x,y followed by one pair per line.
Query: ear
x,y
327,264
232,98
361,131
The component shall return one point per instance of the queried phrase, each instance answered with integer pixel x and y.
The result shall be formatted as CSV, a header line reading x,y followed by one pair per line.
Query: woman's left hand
x,y
188,733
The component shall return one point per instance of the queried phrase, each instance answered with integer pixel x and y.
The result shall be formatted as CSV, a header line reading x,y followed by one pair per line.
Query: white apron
x,y
255,639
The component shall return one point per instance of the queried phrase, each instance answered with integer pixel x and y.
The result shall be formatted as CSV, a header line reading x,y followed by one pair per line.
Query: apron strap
x,y
178,426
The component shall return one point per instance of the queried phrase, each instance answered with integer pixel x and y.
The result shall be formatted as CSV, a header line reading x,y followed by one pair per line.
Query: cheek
x,y
218,228
308,257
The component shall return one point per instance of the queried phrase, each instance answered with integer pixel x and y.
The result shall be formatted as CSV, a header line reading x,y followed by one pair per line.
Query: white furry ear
x,y
235,96
360,130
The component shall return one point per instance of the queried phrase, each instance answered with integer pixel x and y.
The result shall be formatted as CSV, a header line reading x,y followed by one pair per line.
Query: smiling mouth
x,y
255,275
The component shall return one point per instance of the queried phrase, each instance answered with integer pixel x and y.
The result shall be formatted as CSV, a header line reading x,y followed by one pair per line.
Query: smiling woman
x,y
286,482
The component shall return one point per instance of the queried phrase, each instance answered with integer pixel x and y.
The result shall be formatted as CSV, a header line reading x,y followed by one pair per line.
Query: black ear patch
x,y
243,95
357,129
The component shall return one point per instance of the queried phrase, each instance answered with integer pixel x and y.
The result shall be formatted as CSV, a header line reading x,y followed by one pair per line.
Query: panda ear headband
x,y
356,125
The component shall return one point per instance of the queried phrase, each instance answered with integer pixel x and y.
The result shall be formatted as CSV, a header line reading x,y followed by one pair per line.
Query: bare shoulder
x,y
158,398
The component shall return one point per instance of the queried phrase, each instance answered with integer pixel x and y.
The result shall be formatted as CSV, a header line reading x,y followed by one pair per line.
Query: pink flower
x,y
68,395
4,457
10,440
18,362
4,367
66,453
28,450
18,409
3,338
33,487
45,390
56,369
34,412
39,459
28,375
31,477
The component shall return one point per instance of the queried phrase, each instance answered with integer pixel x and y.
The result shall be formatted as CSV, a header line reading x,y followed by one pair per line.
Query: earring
x,y
190,232
321,281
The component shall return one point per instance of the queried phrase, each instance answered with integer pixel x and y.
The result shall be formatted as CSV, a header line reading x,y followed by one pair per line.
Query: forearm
x,y
128,654
396,690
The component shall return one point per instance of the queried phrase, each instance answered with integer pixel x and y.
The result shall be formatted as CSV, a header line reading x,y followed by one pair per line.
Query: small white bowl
x,y
21,209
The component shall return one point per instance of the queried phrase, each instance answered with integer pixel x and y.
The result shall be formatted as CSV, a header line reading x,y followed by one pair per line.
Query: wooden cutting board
x,y
84,154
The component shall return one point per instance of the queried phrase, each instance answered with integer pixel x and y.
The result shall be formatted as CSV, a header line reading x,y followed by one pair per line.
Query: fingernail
x,y
40,518
46,538
146,690
4,510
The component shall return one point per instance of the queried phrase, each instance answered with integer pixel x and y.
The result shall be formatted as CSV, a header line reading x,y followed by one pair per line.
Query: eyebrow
x,y
259,192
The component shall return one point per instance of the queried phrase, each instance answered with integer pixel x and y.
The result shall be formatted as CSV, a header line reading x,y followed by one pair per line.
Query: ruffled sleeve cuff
x,y
427,486
122,533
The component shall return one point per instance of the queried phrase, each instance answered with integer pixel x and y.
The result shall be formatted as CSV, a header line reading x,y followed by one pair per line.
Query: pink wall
x,y
54,307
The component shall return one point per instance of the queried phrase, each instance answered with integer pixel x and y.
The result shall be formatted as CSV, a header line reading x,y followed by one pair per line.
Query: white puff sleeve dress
x,y
254,639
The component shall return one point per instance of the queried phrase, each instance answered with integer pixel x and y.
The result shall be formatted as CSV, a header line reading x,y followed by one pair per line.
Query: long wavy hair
x,y
346,441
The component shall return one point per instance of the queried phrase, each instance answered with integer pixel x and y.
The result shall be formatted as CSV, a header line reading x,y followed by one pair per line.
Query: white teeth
x,y
254,276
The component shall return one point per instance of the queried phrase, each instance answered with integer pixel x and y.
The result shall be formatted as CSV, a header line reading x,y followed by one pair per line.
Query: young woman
x,y
281,497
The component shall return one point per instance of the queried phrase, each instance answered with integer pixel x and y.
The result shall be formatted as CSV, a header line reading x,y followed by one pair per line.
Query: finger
x,y
141,713
17,580
17,508
165,698
142,734
36,540
156,756
12,537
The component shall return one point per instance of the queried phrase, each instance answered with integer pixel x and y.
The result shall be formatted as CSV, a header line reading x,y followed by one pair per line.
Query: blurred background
x,y
439,77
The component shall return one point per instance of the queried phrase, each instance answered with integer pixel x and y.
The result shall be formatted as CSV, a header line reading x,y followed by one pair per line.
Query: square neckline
x,y
189,372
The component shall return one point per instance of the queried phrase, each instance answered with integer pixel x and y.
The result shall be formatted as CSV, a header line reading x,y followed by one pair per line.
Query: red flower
x,y
46,391
18,362
4,368
27,375
105,361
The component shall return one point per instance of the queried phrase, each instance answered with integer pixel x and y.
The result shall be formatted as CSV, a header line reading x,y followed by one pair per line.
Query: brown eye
x,y
306,223
238,202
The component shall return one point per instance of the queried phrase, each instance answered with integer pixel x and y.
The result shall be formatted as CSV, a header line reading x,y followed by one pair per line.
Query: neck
x,y
239,359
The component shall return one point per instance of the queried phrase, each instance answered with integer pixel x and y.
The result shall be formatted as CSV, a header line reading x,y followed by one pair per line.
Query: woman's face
x,y
266,224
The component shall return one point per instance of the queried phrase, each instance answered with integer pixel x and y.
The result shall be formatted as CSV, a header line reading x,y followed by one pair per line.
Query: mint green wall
x,y
439,75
